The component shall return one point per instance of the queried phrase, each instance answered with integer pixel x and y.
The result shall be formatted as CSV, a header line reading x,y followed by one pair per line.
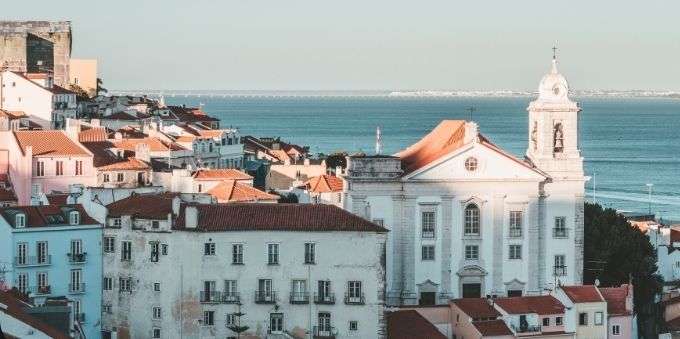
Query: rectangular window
x,y
79,167
76,247
120,177
273,254
427,252
560,230
22,253
237,254
125,284
22,282
109,244
231,319
428,221
353,325
208,318
515,224
471,252
231,290
354,293
117,222
560,267
20,220
39,169
324,324
164,249
209,248
599,318
155,251
126,251
108,283
106,177
558,321
546,321
616,330
43,257
515,252
157,287
310,249
43,282
276,322
76,284
583,319
155,224
59,167
156,312
156,333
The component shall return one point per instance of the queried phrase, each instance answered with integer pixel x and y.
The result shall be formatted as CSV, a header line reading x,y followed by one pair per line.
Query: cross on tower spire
x,y
554,52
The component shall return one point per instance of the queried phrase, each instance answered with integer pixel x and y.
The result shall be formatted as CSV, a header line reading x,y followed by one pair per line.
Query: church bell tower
x,y
553,128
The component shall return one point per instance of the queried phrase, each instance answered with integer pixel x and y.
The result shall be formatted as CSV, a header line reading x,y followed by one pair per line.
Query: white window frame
x,y
471,252
427,253
237,254
515,252
310,253
273,254
156,313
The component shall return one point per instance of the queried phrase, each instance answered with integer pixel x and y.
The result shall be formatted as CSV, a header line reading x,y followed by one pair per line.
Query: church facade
x,y
468,219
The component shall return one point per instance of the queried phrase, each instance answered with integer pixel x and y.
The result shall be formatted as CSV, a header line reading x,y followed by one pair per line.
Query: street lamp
x,y
649,197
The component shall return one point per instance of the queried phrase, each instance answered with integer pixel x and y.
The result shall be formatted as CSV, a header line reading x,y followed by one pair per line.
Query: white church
x,y
468,219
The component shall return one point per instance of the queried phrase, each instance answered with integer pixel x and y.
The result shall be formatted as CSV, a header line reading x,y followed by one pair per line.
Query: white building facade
x,y
467,219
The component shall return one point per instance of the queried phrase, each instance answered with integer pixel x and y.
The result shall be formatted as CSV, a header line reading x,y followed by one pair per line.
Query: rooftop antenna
x,y
378,141
470,110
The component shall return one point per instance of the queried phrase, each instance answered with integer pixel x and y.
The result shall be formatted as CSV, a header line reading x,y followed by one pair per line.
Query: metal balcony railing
x,y
77,258
231,297
76,288
428,234
560,233
526,328
40,290
324,332
515,233
299,297
324,298
265,297
33,261
354,299
208,297
560,270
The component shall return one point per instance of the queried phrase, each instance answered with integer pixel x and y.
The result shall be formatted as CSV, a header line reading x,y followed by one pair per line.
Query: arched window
x,y
558,138
471,219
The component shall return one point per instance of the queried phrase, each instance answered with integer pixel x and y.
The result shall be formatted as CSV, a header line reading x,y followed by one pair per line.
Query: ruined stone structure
x,y
37,46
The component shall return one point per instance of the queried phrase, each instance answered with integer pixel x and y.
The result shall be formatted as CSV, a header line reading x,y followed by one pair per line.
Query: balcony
x,y
40,290
299,298
33,261
560,271
265,297
560,233
355,299
231,297
526,328
77,258
324,332
211,297
324,299
515,233
428,234
76,288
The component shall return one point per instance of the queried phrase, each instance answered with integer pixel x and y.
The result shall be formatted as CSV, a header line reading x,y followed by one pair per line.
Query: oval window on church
x,y
471,164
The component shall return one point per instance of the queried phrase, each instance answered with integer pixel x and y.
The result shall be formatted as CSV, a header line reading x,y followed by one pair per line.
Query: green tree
x,y
336,159
616,253
100,90
289,198
81,94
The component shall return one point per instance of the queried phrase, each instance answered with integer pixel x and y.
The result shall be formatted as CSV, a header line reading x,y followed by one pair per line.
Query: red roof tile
x,y
489,328
542,305
476,308
278,217
92,134
155,144
616,299
442,140
324,184
7,194
105,160
46,215
50,143
221,174
583,294
675,235
144,206
409,324
232,191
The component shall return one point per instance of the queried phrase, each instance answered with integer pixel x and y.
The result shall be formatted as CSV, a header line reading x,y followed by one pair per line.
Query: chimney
x,y
176,201
142,152
338,171
191,217
306,161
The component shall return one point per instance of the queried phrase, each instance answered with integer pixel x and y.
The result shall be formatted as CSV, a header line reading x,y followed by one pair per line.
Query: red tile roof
x,y
92,134
155,144
542,305
57,199
675,235
409,324
616,299
15,308
49,143
490,328
476,308
105,160
7,194
144,206
583,294
46,215
221,174
278,217
11,115
324,184
232,191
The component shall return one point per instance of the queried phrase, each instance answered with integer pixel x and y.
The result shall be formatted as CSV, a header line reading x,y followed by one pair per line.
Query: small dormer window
x,y
20,220
74,218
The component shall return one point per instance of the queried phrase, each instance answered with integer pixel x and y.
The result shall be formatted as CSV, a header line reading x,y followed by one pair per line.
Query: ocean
x,y
627,143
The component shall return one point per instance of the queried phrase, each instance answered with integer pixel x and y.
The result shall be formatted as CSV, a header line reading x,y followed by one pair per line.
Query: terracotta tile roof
x,y
409,324
144,206
232,191
476,308
675,235
155,144
490,328
105,160
36,75
221,174
278,217
442,140
46,215
324,184
57,199
7,194
616,299
11,115
542,305
279,154
50,143
60,90
93,134
15,308
583,294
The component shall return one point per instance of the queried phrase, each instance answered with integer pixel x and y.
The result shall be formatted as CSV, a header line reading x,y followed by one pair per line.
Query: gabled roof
x,y
125,116
616,299
583,293
490,328
46,215
221,174
232,191
409,324
49,142
542,305
476,308
104,160
144,206
277,217
155,144
324,184
93,134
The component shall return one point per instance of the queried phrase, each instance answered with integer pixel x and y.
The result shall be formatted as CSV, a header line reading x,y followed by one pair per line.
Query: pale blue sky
x,y
378,44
